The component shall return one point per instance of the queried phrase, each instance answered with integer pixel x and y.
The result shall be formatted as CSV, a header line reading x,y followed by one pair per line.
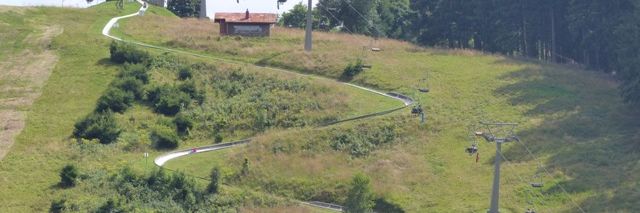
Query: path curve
x,y
162,159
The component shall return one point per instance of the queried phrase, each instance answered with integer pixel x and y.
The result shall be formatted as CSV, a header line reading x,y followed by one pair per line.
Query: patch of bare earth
x,y
21,80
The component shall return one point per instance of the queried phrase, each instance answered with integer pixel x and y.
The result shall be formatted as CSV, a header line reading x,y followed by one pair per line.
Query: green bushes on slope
x,y
98,125
165,138
126,53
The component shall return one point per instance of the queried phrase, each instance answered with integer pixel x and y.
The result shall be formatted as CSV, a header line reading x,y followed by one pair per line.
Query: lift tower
x,y
499,133
309,27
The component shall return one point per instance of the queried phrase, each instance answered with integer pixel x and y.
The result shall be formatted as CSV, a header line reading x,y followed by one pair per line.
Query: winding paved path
x,y
162,159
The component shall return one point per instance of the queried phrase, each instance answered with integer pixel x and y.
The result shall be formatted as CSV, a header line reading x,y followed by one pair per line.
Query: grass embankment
x,y
571,118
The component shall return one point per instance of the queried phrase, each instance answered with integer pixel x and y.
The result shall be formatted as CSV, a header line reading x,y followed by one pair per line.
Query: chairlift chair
x,y
537,182
425,86
472,149
416,109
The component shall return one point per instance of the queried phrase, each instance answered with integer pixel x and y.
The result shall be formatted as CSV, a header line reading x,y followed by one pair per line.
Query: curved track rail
x,y
162,159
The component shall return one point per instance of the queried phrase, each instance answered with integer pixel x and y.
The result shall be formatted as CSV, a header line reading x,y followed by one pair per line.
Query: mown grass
x,y
571,119
29,172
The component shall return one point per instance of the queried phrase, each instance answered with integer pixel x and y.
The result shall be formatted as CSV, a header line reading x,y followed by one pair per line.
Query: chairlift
x,y
374,43
424,85
537,181
417,109
472,149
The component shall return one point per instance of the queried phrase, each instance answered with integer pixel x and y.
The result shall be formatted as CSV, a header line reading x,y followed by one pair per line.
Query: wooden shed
x,y
245,24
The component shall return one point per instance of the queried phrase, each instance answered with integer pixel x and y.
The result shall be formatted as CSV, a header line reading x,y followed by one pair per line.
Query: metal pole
x,y
495,193
307,37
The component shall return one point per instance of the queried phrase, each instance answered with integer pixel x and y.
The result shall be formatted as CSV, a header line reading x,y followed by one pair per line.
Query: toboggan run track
x,y
162,159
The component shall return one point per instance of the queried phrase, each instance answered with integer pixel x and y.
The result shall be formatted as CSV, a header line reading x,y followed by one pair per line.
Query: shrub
x,y
360,197
364,139
185,73
101,126
68,176
218,138
189,88
164,138
58,206
138,71
116,100
122,52
352,70
112,206
168,100
183,123
214,185
245,168
131,84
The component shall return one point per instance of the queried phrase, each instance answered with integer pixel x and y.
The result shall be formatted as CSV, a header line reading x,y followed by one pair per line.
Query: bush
x,y
183,123
122,52
101,126
218,138
360,197
352,70
112,206
168,100
164,138
116,100
364,139
214,185
131,84
185,73
138,71
68,176
189,88
58,206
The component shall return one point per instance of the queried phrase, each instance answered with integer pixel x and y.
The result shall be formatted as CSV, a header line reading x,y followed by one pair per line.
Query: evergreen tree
x,y
214,185
68,176
360,197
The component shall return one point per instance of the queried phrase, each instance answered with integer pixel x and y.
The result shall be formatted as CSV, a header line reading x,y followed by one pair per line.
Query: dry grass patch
x,y
30,68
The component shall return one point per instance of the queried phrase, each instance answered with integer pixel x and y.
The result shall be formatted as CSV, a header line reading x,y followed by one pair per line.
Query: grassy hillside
x,y
81,76
572,119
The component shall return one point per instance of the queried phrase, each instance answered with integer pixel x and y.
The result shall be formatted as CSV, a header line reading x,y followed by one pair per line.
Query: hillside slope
x,y
571,119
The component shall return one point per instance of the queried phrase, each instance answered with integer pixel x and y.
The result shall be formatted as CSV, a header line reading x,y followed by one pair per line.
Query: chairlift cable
x,y
508,162
549,174
369,22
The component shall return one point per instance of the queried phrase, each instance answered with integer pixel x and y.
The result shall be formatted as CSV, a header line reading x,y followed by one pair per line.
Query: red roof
x,y
263,18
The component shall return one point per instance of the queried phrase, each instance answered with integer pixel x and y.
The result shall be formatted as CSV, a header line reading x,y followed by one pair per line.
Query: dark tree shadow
x,y
589,134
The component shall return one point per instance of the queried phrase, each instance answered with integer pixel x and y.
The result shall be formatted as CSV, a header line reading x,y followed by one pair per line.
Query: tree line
x,y
598,34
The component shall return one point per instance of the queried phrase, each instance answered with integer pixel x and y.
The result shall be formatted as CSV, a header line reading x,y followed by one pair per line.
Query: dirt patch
x,y
21,83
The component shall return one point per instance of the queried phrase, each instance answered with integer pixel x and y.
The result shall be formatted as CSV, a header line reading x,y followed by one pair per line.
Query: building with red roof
x,y
245,24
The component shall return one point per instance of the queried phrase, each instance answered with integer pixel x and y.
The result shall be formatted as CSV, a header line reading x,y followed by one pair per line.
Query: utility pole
x,y
504,137
307,37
